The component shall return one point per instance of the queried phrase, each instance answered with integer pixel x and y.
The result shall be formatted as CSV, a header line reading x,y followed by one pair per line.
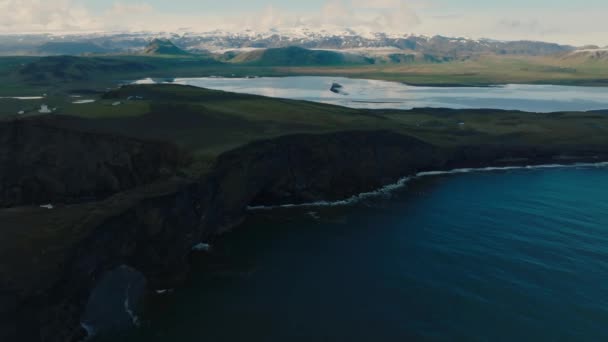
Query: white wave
x,y
22,97
201,247
145,81
83,101
387,189
164,291
128,310
89,328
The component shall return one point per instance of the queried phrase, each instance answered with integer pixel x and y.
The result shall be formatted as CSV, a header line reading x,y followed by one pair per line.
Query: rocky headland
x,y
124,219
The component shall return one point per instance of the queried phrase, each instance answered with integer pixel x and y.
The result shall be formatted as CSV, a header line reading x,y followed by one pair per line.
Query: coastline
x,y
401,183
153,231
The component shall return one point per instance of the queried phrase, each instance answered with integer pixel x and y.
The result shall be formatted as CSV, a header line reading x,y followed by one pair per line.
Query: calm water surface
x,y
500,256
360,93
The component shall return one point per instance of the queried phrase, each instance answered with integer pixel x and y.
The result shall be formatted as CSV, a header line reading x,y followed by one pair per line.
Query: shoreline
x,y
401,183
152,225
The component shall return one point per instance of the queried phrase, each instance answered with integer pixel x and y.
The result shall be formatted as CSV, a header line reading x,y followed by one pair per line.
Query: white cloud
x,y
43,16
119,8
584,26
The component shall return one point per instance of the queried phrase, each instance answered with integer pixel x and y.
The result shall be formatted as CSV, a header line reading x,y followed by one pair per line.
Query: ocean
x,y
501,255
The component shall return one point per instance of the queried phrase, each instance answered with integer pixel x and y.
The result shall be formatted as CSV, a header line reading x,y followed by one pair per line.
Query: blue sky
x,y
566,21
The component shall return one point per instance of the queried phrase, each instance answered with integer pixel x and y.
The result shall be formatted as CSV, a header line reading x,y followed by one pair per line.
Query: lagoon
x,y
372,94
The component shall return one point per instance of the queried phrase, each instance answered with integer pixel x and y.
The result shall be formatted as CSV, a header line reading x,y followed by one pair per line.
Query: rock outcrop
x,y
310,168
52,260
41,162
138,221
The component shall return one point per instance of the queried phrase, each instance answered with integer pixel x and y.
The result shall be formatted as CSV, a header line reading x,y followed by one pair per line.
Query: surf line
x,y
387,189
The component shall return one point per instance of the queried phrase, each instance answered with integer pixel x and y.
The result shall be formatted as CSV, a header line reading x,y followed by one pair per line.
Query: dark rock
x,y
56,263
308,168
42,162
53,259
113,304
337,88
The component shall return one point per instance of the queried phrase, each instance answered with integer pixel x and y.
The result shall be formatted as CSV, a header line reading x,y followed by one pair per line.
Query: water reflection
x,y
380,94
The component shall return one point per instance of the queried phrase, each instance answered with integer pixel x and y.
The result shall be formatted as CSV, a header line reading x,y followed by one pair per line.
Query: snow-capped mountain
x,y
327,39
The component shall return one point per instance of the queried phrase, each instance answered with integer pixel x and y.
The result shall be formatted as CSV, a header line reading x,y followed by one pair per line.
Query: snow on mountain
x,y
322,37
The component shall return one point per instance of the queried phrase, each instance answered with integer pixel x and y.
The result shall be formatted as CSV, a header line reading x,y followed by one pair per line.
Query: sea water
x,y
501,255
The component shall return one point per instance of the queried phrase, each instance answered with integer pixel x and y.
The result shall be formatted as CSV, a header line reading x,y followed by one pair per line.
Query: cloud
x,y
43,16
120,9
584,26
68,15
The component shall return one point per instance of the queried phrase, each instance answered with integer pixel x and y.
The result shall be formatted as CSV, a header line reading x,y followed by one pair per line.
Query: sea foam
x,y
388,189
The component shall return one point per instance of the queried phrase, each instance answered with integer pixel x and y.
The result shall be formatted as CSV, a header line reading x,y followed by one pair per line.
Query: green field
x,y
25,76
209,122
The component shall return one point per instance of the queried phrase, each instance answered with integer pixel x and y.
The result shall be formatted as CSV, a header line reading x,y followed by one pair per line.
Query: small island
x,y
337,88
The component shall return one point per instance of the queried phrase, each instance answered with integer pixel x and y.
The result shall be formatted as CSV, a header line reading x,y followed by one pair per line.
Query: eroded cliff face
x,y
308,168
41,162
143,221
116,201
53,259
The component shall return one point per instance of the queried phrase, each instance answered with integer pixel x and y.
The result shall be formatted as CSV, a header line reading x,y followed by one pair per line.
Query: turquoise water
x,y
493,256
359,93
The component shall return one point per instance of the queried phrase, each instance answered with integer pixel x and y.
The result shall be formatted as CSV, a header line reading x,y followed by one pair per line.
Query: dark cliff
x,y
54,259
41,162
309,168
59,266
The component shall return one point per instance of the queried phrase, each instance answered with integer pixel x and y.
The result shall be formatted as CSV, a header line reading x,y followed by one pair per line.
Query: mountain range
x,y
439,47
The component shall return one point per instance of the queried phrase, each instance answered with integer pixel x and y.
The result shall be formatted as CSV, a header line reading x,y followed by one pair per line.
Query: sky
x,y
577,22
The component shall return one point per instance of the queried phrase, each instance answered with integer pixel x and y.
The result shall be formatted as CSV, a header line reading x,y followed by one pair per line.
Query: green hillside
x,y
163,47
296,56
209,122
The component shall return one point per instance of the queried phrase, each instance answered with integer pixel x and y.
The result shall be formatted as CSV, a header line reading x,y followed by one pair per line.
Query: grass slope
x,y
164,47
209,122
28,76
296,56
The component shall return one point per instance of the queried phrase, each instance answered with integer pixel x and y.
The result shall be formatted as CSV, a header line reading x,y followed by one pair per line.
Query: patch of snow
x,y
590,50
242,49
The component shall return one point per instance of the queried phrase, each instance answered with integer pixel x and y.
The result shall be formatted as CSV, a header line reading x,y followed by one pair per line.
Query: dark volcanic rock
x,y
337,88
53,259
163,47
308,168
41,162
113,303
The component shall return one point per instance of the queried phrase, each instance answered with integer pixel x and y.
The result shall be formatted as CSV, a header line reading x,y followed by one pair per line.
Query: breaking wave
x,y
388,189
